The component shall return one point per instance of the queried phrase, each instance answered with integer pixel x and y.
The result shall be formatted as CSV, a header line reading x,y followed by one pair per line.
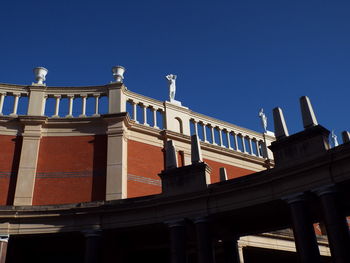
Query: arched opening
x,y
179,125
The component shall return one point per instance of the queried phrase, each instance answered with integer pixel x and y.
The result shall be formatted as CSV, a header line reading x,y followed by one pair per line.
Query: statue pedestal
x,y
176,102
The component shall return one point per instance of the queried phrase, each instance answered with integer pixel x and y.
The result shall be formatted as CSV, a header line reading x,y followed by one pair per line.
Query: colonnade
x,y
334,220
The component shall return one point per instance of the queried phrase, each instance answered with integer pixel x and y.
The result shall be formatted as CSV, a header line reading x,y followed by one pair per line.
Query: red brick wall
x,y
71,169
145,162
232,171
9,160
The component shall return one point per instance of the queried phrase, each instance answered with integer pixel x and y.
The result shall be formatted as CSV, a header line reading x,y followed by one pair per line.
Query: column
x,y
134,112
2,99
177,241
3,247
96,96
228,140
220,136
204,133
204,242
212,134
335,223
83,106
15,104
70,106
154,118
57,106
304,234
145,115
92,246
231,254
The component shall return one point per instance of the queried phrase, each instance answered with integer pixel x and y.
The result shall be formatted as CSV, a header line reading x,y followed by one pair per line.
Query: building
x,y
69,179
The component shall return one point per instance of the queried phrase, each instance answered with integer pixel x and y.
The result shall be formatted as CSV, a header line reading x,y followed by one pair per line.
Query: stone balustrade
x,y
229,136
80,102
145,110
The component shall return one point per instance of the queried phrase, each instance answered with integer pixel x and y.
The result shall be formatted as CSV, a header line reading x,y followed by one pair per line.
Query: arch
x,y
179,125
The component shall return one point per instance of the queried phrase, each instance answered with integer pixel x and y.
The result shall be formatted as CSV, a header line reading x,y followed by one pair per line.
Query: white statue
x,y
263,119
172,87
334,139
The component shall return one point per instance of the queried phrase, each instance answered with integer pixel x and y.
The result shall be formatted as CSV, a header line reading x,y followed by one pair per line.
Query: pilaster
x,y
116,178
28,160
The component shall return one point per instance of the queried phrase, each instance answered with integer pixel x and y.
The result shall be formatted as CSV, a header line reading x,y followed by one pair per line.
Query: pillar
x,y
92,246
304,234
177,241
204,241
3,247
336,224
116,98
228,140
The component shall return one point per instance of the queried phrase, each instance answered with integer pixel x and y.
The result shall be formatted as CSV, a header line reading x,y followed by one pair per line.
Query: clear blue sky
x,y
231,57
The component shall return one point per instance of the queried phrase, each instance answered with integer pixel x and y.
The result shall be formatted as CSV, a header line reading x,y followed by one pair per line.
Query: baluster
x,y
134,112
257,148
70,106
96,96
145,115
250,146
195,127
204,132
57,106
83,106
15,104
43,105
154,118
236,141
228,140
212,134
243,143
2,99
220,136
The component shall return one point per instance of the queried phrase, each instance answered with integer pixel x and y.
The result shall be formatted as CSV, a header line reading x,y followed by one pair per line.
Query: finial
x,y
40,75
307,113
223,174
281,130
196,153
118,74
170,153
345,136
334,139
263,119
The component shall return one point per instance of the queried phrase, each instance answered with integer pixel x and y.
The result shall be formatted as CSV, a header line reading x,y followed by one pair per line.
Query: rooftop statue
x,y
263,119
172,86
